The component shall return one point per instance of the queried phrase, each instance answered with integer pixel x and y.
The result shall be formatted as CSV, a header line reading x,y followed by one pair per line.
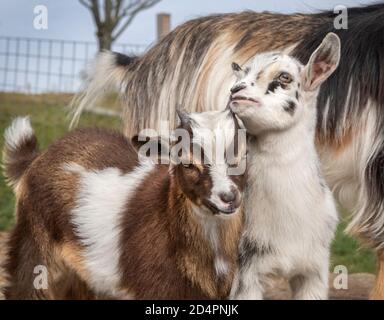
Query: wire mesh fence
x,y
34,65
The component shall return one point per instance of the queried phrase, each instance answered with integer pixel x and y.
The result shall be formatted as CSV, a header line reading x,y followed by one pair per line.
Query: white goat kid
x,y
290,215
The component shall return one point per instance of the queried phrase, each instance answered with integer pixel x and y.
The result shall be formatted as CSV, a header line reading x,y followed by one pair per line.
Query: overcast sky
x,y
71,21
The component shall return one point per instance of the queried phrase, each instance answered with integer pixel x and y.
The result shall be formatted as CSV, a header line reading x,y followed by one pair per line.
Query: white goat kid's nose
x,y
238,87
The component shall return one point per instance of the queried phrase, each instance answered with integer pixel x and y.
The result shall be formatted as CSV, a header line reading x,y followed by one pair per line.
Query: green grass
x,y
349,252
50,122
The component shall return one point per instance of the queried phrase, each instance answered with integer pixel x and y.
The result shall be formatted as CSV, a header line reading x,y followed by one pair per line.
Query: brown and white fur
x,y
290,214
124,227
191,66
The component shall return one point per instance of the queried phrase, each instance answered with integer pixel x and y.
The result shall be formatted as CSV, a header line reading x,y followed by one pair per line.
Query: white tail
x,y
20,149
18,132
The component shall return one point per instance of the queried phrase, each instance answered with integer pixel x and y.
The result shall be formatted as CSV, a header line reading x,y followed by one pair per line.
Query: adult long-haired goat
x,y
191,66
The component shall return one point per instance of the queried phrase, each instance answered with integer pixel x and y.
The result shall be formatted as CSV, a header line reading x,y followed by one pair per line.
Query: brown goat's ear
x,y
154,148
183,118
322,63
239,73
136,142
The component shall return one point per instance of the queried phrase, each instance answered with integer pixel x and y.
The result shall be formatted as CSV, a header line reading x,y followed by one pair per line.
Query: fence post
x,y
163,25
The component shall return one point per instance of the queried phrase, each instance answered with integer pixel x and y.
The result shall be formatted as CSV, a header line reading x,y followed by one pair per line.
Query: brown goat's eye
x,y
285,77
188,165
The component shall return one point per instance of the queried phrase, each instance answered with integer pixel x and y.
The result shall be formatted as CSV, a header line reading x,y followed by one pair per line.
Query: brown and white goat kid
x,y
127,227
290,215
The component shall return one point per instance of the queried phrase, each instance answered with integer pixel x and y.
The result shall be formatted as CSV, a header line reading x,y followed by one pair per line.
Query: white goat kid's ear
x,y
322,63
239,73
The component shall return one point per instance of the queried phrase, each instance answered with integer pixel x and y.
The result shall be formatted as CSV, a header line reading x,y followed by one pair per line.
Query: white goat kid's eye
x,y
285,77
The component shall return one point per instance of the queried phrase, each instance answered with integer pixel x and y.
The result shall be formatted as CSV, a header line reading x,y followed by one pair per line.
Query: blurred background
x,y
46,46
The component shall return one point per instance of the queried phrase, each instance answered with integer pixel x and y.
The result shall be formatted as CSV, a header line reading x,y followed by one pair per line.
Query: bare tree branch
x,y
135,5
117,10
95,12
115,17
86,4
107,12
130,15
